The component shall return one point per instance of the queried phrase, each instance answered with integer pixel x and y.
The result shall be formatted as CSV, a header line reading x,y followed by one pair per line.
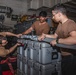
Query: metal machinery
x,y
37,58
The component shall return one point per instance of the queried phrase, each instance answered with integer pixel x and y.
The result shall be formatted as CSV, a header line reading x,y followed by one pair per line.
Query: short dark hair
x,y
2,38
60,8
43,13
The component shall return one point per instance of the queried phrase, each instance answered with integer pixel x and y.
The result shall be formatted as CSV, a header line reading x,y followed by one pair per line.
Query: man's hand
x,y
42,37
53,43
18,35
18,44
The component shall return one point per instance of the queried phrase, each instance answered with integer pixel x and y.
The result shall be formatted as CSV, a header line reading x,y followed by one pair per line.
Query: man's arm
x,y
28,31
3,33
9,34
5,52
70,40
51,36
47,36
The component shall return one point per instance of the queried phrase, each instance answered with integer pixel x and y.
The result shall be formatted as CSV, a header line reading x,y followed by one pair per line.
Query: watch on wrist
x,y
57,40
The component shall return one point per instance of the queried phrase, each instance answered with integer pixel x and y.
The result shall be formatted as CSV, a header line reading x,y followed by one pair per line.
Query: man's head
x,y
42,16
3,40
58,12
